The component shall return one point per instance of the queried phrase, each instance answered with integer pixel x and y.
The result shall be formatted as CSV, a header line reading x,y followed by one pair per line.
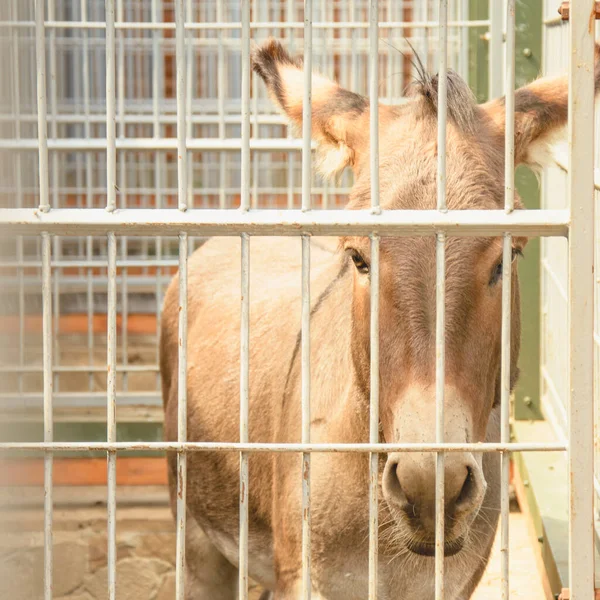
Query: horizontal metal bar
x,y
99,144
90,264
224,222
78,399
78,369
138,118
271,447
228,25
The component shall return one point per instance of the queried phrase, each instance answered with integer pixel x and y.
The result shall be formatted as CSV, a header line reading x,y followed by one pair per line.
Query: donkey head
x,y
475,180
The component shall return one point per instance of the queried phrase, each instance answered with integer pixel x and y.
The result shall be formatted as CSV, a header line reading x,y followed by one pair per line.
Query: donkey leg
x,y
209,575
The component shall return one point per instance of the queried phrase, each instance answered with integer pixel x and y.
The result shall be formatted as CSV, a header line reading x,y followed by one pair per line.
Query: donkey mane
x,y
461,103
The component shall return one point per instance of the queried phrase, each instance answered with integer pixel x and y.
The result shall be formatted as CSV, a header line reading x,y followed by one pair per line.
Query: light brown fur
x,y
340,302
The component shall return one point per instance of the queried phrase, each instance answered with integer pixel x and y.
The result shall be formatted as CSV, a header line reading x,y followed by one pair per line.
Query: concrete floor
x,y
524,579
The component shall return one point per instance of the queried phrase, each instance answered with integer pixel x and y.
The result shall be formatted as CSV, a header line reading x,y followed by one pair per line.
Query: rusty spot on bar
x,y
180,481
564,12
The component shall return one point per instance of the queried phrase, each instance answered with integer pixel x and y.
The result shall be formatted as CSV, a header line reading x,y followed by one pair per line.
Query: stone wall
x,y
145,550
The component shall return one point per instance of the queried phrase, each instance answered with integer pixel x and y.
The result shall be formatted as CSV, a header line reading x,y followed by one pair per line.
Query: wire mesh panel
x,y
145,105
125,117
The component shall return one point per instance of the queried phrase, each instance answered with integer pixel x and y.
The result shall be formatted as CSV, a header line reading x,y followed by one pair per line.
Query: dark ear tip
x,y
267,55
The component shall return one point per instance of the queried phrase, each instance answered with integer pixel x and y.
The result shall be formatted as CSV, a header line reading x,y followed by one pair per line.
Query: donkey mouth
x,y
428,548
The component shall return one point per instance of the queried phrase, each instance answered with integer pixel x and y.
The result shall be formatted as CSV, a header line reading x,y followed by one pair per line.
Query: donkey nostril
x,y
467,491
393,490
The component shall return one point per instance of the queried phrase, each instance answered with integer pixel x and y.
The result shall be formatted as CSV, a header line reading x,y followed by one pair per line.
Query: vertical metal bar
x,y
256,14
305,352
221,82
19,187
440,341
306,205
307,108
374,102
181,104
182,418
40,59
440,369
48,420
244,399
374,325
509,202
442,105
505,409
509,154
111,148
581,293
54,179
182,190
189,89
111,412
245,163
158,162
122,188
291,159
326,54
245,305
496,81
88,188
374,422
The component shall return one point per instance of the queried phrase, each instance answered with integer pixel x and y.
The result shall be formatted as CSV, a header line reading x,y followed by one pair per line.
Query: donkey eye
x,y
497,274
359,261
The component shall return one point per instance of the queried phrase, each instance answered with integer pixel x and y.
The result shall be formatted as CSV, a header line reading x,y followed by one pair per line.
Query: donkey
x,y
340,308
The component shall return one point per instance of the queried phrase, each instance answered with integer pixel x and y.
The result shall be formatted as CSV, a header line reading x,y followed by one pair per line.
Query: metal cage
x,y
142,132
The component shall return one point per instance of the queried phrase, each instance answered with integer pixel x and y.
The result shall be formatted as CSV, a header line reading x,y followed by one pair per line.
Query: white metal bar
x,y
246,447
48,420
122,187
305,350
440,338
111,414
245,132
244,413
581,306
374,104
75,144
496,79
57,246
158,163
440,370
245,302
189,98
209,222
181,105
111,125
305,356
442,110
374,319
505,410
75,369
291,162
221,83
15,36
509,203
307,108
374,422
182,419
228,25
509,139
42,141
88,188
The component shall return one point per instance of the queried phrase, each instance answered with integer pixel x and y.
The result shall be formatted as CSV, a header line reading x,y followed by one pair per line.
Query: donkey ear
x,y
340,118
541,110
